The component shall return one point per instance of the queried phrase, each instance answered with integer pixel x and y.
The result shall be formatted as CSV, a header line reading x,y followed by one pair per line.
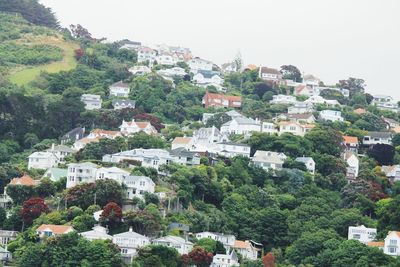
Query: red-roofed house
x,y
24,180
131,127
392,244
350,143
181,142
247,249
99,133
218,100
47,230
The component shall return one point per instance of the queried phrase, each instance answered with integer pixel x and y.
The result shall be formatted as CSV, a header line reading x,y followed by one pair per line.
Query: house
x,y
373,138
301,107
55,174
81,173
172,72
183,156
270,74
283,99
362,234
123,103
6,236
231,113
128,44
139,70
299,118
331,115
219,100
207,136
100,133
179,142
119,89
230,259
269,160
305,90
97,233
350,143
146,54
5,255
129,243
25,180
309,162
81,143
151,158
47,230
391,122
268,127
208,77
231,149
42,160
181,245
248,249
227,240
112,173
385,102
91,101
131,127
294,128
73,135
352,163
137,186
196,64
230,67
392,172
241,125
61,152
167,59
316,99
311,80
392,244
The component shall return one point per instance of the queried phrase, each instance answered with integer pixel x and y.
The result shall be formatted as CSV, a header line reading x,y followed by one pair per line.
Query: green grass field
x,y
24,75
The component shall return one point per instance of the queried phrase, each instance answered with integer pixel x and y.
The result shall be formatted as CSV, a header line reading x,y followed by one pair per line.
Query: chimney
x,y
52,147
130,229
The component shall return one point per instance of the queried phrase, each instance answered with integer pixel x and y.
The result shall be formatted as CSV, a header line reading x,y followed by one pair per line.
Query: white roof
x,y
129,234
172,239
98,232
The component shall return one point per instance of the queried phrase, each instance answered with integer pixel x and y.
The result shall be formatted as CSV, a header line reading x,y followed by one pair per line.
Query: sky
x,y
331,39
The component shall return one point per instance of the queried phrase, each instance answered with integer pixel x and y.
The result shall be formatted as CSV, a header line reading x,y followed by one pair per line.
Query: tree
x,y
382,153
111,215
78,31
200,257
169,256
217,120
396,140
32,209
291,72
143,222
325,140
269,260
354,85
20,193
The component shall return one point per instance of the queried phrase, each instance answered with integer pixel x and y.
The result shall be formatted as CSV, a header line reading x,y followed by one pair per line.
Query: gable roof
x,y
24,180
182,140
270,71
120,84
123,102
376,244
130,234
104,132
380,134
56,229
241,244
360,111
350,139
224,97
208,74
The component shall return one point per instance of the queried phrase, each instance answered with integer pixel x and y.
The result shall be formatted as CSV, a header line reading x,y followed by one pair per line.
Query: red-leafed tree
x,y
269,260
112,214
185,260
32,208
79,53
156,122
200,257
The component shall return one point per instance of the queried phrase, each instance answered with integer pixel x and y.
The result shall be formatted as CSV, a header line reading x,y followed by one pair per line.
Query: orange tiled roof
x,y
376,244
24,180
101,131
226,97
360,111
251,67
350,139
56,229
241,244
182,140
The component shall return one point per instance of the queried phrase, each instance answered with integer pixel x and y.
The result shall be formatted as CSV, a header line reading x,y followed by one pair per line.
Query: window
x,y
356,236
392,250
393,242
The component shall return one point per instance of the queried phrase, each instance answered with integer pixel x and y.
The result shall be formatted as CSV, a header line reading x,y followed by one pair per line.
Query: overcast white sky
x,y
332,39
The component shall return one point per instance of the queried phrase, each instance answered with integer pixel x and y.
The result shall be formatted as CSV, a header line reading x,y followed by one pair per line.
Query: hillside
x,y
26,49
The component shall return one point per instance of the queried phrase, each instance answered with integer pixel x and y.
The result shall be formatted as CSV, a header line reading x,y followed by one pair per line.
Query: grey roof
x,y
380,134
232,144
84,164
120,84
208,73
304,159
172,239
130,234
74,132
181,151
242,120
61,148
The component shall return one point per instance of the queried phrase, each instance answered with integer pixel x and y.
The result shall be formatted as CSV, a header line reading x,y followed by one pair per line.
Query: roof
x,y
380,134
181,151
389,120
24,180
123,102
57,173
300,116
172,239
310,77
251,67
120,84
348,154
304,159
270,71
241,244
104,132
56,229
360,111
269,156
232,144
89,140
98,232
182,140
76,131
84,164
225,97
208,74
350,139
376,244
140,124
62,148
130,234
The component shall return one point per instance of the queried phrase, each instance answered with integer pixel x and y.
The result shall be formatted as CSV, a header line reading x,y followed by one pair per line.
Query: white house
x,y
47,230
316,99
283,99
294,128
181,245
311,80
248,249
119,89
352,163
172,72
331,115
151,158
230,67
81,173
241,125
42,160
146,54
392,172
6,236
269,160
305,90
269,127
100,133
206,136
130,242
362,234
91,101
350,143
137,186
123,103
231,113
196,64
230,259
184,156
204,77
179,142
139,70
231,149
309,162
131,127
167,59
385,102
61,152
299,118
112,173
227,240
301,107
392,244
270,74
373,138
97,233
